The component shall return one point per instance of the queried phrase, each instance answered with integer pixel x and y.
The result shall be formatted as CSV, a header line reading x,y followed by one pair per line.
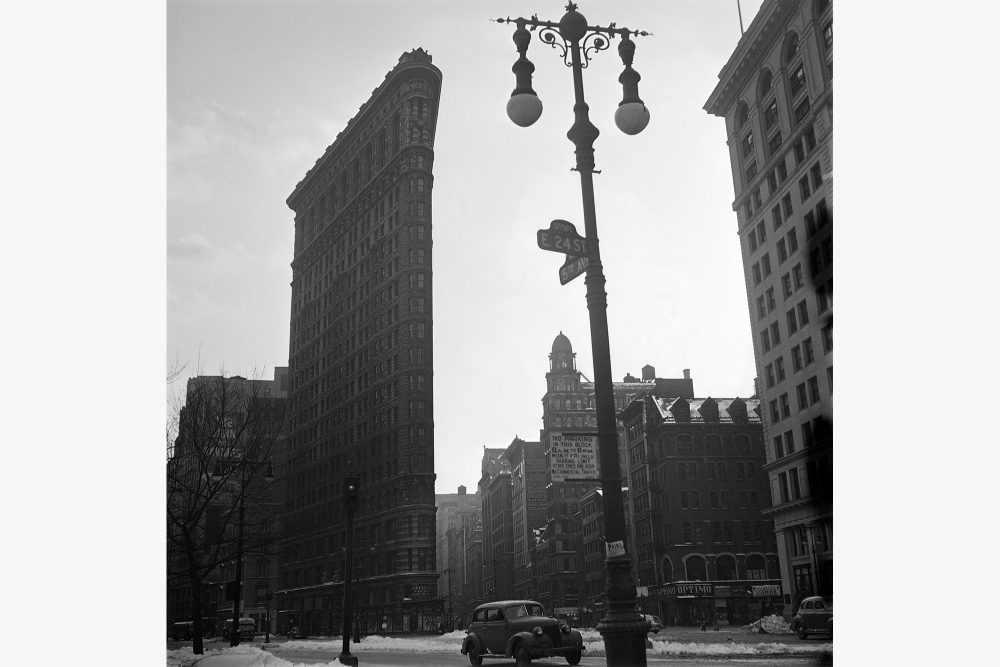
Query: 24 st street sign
x,y
561,237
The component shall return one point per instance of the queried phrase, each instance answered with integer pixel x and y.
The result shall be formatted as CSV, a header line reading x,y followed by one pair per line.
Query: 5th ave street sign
x,y
573,267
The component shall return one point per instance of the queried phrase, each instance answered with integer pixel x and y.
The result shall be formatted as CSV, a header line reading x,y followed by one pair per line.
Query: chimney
x,y
687,373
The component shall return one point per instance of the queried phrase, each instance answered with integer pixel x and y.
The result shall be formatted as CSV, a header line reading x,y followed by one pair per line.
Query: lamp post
x,y
352,501
267,617
623,627
451,610
244,464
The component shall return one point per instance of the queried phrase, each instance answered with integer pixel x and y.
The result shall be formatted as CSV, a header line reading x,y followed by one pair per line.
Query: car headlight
x,y
538,632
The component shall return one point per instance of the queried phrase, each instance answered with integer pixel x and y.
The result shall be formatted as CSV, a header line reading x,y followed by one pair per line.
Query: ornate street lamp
x,y
623,627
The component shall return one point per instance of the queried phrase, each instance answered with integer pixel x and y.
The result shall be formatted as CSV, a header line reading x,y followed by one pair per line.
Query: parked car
x,y
247,630
519,629
815,615
182,630
654,623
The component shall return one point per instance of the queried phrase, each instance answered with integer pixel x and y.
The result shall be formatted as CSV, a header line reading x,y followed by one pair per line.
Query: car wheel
x,y
521,655
802,632
574,658
474,656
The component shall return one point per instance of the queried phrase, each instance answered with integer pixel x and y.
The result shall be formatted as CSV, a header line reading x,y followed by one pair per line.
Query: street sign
x,y
561,236
573,267
573,456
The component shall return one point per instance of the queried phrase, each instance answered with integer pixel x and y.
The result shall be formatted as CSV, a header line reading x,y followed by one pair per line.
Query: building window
x,y
765,340
813,390
756,273
752,241
771,303
803,309
789,441
779,449
746,146
817,176
761,233
769,373
827,335
786,205
775,415
797,80
750,172
802,110
796,359
793,477
775,334
791,47
804,191
807,434
782,251
809,136
797,278
761,308
765,264
779,368
742,115
786,411
786,285
687,532
803,398
782,486
792,325
807,351
773,144
771,114
829,379
828,36
793,241
776,217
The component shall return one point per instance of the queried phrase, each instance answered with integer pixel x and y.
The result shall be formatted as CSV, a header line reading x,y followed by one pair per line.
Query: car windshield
x,y
522,610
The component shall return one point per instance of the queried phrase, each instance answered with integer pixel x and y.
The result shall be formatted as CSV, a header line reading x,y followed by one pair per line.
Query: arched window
x,y
742,115
420,185
667,569
726,567
766,83
756,567
791,47
696,570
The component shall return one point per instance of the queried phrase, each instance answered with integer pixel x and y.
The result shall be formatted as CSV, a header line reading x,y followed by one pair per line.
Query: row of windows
x,y
725,532
719,499
743,470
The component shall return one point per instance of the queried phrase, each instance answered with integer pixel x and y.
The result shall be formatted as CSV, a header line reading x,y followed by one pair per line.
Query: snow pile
x,y
409,644
236,656
772,625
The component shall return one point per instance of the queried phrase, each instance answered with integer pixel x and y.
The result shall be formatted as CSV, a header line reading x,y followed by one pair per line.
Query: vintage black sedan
x,y
519,629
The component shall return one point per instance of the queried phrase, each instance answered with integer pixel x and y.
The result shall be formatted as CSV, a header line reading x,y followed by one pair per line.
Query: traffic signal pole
x,y
350,508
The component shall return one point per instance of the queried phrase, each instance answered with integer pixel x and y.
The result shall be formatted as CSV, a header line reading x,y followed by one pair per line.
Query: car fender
x,y
527,637
471,639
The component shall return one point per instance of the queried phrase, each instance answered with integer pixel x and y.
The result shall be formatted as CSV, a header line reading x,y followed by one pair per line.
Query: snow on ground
x,y
772,625
252,656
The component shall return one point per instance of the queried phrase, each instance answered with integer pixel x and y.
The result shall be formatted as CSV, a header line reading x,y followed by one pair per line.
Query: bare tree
x,y
218,443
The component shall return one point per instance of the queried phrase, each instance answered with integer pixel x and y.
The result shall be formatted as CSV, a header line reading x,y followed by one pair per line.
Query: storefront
x,y
718,603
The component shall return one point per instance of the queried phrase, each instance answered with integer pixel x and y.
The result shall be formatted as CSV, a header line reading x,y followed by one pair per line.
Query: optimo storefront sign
x,y
735,589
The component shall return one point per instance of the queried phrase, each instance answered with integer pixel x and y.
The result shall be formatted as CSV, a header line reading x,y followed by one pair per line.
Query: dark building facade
x,y
528,507
360,357
776,96
498,525
457,518
704,550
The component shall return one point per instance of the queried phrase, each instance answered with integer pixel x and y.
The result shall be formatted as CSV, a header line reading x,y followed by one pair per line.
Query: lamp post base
x,y
623,627
348,659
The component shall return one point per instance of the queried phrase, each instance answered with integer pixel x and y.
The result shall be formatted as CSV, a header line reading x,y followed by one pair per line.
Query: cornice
x,y
744,62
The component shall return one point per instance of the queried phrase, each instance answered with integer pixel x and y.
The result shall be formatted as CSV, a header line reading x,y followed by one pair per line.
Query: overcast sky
x,y
258,89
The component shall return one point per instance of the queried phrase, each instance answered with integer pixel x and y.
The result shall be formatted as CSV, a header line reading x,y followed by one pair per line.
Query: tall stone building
x,y
528,506
776,97
360,357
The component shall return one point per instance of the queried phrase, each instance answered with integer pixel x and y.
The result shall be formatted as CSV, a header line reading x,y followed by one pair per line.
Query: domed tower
x,y
564,405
